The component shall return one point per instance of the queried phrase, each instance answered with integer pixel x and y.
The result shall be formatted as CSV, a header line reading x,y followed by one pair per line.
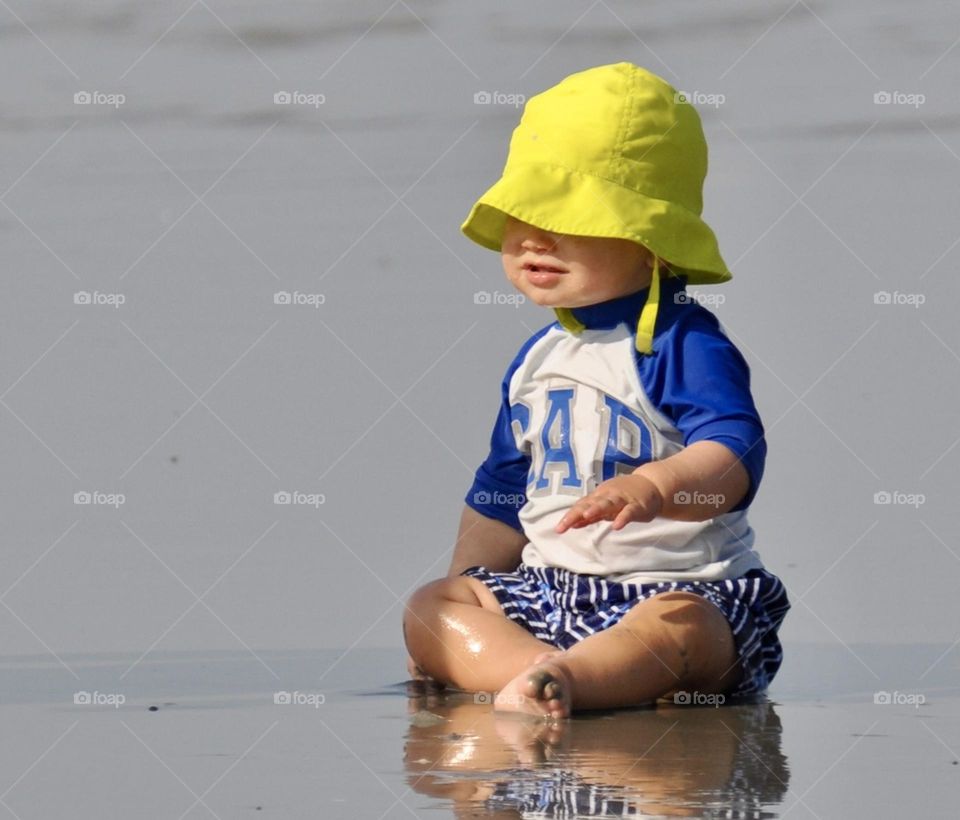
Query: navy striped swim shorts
x,y
561,607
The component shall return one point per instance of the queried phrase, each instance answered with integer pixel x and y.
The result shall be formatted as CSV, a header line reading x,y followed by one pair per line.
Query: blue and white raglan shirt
x,y
579,409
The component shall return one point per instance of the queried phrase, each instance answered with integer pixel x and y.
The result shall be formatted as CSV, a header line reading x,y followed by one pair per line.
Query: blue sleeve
x,y
701,382
500,483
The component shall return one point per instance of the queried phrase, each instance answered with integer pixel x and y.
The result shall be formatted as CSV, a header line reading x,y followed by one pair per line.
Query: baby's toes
x,y
538,680
552,690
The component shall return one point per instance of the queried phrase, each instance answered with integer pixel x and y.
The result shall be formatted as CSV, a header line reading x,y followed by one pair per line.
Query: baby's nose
x,y
539,241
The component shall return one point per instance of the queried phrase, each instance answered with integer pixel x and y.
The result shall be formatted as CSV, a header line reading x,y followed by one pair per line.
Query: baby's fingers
x,y
589,510
629,513
633,512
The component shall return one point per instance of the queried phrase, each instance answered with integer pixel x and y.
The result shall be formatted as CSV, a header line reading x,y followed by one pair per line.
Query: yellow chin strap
x,y
569,321
648,316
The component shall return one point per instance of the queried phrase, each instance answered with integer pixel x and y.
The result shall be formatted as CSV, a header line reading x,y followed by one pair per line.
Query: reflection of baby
x,y
604,556
672,761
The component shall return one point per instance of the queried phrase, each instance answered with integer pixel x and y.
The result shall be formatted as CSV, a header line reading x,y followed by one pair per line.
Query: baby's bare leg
x,y
457,633
674,641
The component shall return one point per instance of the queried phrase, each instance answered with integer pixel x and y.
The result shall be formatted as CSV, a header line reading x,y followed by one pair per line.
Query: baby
x,y
604,557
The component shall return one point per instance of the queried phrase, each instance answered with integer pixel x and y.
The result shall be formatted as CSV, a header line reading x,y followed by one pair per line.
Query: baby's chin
x,y
545,298
551,297
555,298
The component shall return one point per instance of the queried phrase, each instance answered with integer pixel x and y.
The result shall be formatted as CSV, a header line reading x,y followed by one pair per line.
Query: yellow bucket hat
x,y
613,151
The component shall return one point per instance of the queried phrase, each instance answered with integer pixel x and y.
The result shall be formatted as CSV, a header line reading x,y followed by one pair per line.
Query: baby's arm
x,y
485,541
703,480
700,381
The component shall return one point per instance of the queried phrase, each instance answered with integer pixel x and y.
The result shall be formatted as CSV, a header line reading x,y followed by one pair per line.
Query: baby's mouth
x,y
538,267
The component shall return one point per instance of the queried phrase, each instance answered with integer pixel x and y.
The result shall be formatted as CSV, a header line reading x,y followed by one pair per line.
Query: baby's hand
x,y
622,499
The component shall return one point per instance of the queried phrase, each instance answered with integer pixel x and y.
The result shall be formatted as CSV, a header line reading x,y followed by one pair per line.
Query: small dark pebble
x,y
259,808
154,708
173,459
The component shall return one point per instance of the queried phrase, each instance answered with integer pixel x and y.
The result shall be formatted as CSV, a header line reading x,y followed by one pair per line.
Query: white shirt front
x,y
596,365
581,408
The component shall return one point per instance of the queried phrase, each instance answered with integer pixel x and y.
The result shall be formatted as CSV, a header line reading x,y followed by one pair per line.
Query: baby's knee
x,y
430,600
427,600
693,634
422,611
422,600
460,589
706,637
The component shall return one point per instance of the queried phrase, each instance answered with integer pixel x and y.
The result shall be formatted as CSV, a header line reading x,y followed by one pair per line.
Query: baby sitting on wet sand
x,y
604,557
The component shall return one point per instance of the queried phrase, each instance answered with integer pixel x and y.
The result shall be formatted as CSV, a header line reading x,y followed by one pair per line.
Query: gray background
x,y
200,398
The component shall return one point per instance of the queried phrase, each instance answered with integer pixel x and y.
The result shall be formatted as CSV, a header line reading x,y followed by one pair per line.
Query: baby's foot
x,y
532,742
542,690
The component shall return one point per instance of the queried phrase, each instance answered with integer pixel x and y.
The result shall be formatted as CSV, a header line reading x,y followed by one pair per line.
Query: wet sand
x,y
203,732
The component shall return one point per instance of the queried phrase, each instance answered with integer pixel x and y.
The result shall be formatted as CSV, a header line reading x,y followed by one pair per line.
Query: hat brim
x,y
562,200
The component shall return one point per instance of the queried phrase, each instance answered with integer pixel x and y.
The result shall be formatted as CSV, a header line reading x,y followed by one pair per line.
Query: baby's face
x,y
565,270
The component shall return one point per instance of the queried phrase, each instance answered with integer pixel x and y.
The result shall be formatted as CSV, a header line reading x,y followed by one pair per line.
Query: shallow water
x,y
354,741
199,398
